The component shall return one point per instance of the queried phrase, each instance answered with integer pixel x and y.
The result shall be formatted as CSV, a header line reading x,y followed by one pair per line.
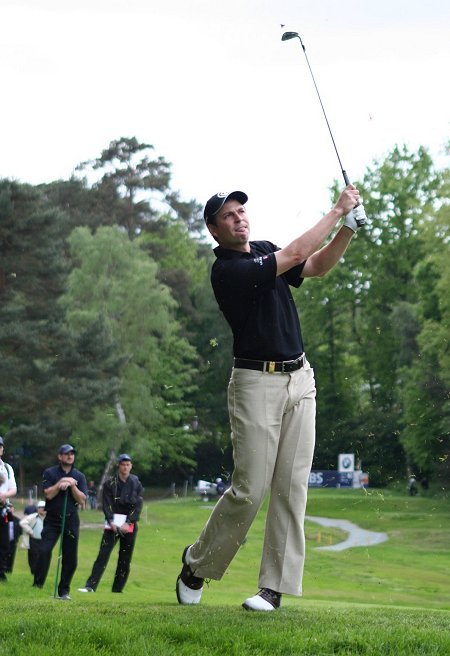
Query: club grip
x,y
359,222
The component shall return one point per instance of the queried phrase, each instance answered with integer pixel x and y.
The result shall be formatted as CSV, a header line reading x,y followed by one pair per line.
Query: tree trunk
x,y
112,456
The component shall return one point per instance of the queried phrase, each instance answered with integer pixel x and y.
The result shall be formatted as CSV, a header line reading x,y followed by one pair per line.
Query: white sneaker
x,y
189,588
86,589
265,600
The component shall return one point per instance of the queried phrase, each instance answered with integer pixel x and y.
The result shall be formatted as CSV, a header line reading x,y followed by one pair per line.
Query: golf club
x,y
287,36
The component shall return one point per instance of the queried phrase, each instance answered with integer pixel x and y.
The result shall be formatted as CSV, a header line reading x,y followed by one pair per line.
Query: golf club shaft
x,y
344,173
61,538
294,35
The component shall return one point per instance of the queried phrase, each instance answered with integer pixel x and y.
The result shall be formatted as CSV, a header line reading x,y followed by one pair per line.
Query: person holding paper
x,y
122,505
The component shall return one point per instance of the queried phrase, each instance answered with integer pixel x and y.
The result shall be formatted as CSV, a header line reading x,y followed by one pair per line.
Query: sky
x,y
212,87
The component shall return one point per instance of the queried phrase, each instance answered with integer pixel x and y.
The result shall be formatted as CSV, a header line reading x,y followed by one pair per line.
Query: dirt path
x,y
357,537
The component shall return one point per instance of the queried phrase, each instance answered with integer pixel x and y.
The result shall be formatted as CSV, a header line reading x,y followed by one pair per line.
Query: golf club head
x,y
290,35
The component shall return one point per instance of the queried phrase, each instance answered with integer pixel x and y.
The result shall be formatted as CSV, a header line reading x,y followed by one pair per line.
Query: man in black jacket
x,y
122,505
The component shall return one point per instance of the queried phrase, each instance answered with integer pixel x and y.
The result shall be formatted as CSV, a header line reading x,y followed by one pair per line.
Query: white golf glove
x,y
355,218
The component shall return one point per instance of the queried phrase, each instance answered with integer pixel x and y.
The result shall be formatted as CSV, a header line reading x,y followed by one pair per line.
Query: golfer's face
x,y
231,228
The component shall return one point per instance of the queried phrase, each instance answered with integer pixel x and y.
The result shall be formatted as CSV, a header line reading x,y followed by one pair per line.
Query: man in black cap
x,y
271,395
8,489
122,505
65,489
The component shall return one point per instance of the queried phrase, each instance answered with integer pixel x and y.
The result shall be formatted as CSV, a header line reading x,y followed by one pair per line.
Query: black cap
x,y
66,448
218,200
124,457
1,441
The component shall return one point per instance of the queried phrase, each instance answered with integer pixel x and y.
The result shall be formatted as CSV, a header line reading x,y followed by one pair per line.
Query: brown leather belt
x,y
270,366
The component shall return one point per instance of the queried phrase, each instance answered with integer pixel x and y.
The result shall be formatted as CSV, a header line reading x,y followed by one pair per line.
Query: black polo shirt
x,y
51,476
257,303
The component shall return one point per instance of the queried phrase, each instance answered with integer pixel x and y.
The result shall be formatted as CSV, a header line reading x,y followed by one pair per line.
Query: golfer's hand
x,y
124,528
348,199
355,218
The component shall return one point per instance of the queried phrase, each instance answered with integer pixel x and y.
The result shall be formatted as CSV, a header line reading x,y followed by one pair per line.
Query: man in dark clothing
x,y
271,394
64,488
122,505
92,495
14,535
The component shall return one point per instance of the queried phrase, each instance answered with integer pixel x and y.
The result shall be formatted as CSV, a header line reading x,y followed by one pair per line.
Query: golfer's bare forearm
x,y
324,260
304,246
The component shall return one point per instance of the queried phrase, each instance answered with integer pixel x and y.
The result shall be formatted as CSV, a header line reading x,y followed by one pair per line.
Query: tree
x,y
46,368
426,383
129,174
361,322
138,311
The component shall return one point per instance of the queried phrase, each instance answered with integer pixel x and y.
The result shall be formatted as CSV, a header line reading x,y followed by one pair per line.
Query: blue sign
x,y
345,479
323,478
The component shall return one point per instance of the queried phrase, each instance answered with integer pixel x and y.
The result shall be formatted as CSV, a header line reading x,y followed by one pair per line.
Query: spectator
x,y
122,505
30,509
32,526
92,495
412,486
220,487
64,487
8,489
14,535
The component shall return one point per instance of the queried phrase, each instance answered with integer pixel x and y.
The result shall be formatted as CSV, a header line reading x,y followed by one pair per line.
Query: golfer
x,y
122,505
65,490
271,395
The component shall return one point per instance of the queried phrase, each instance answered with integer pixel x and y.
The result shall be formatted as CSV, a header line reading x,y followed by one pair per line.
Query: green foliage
x,y
370,327
46,367
427,383
135,327
115,280
184,265
128,171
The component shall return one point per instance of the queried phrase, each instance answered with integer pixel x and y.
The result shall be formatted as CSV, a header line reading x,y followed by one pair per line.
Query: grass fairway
x,y
393,598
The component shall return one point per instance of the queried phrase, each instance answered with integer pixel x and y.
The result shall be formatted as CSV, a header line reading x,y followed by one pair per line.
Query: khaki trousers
x,y
272,419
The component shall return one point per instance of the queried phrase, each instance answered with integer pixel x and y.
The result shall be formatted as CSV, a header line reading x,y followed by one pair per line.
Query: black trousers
x,y
4,544
49,537
33,553
107,544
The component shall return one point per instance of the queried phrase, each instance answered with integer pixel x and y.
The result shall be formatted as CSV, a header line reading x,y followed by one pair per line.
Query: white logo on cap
x,y
222,194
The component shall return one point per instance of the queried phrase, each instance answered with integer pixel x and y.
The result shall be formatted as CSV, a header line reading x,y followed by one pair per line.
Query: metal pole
x,y
61,538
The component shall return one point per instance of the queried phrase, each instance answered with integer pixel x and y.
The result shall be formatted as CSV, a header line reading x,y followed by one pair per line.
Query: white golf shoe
x,y
189,588
265,600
